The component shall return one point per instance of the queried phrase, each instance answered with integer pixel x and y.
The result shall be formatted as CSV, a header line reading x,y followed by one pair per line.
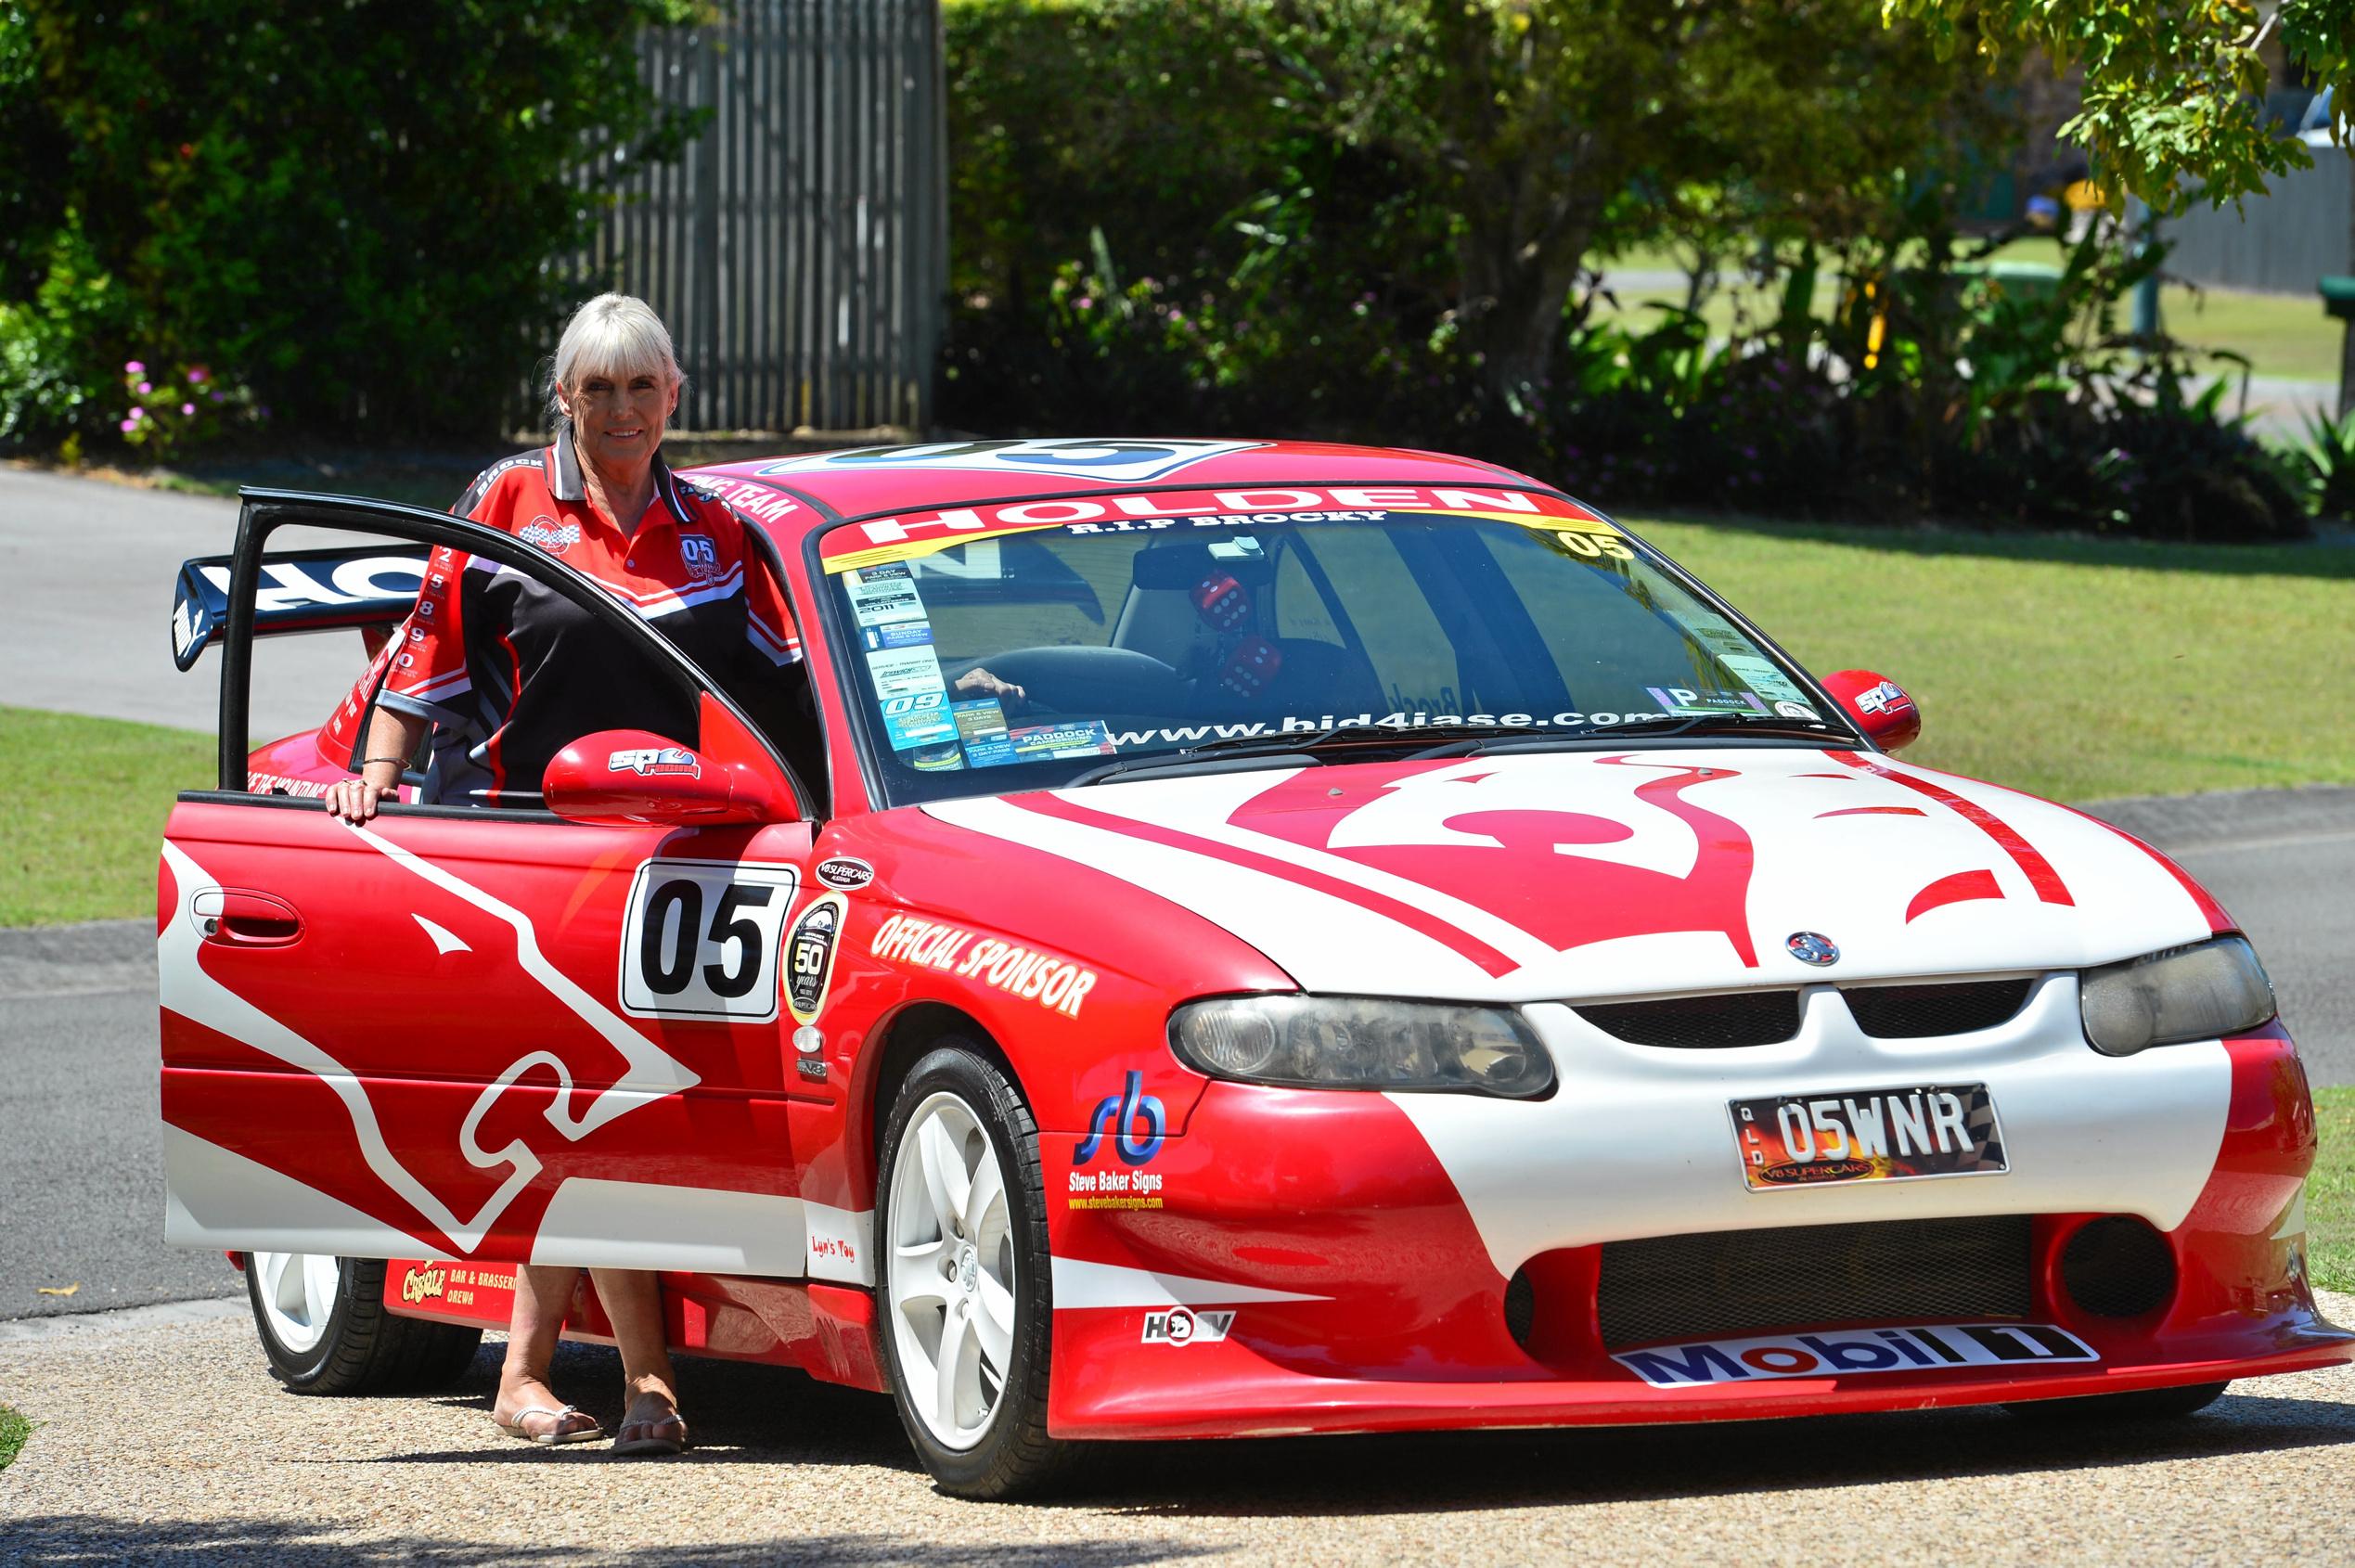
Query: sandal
x,y
556,1435
654,1439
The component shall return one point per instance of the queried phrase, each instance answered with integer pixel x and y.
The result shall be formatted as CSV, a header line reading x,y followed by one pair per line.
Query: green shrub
x,y
353,208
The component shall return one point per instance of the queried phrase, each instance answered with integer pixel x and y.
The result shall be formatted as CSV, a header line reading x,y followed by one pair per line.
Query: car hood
x,y
1536,874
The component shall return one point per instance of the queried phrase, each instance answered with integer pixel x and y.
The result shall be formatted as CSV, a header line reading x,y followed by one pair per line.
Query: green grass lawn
x,y
14,1430
2285,335
2329,1193
2069,668
82,810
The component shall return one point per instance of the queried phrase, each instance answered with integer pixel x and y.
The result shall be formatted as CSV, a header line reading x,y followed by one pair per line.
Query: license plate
x,y
1867,1135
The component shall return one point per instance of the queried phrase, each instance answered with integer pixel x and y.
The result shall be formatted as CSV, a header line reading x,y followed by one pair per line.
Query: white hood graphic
x,y
1537,874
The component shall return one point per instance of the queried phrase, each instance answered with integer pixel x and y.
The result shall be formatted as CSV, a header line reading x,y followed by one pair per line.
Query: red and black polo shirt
x,y
511,671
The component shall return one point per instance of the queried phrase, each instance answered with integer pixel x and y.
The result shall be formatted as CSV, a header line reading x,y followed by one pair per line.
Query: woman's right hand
x,y
355,799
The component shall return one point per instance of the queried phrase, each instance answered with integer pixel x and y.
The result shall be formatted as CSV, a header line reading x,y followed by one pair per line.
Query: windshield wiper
x,y
1668,726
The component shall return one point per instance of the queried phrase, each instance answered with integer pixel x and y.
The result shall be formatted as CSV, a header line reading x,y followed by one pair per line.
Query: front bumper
x,y
1304,1262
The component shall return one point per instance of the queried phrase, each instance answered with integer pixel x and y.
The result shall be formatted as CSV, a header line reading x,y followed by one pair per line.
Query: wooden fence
x,y
799,251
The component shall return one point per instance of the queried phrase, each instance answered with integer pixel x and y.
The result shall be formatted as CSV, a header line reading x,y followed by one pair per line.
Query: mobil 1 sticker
x,y
702,938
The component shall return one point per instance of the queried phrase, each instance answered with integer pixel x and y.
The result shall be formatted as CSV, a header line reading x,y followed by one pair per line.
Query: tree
x,y
2174,89
1552,127
361,209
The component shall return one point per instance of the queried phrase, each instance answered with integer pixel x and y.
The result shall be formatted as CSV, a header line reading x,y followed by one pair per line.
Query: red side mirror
x,y
1879,706
619,775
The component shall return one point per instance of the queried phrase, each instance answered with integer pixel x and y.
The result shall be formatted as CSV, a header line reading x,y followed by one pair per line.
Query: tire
x,y
2143,1405
323,1325
950,1272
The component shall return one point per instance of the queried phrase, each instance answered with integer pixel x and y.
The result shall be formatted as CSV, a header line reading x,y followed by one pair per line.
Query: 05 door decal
x,y
651,1073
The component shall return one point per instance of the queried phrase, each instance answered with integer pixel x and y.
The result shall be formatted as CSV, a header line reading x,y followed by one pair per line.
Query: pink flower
x,y
138,414
133,367
146,387
130,425
196,375
187,408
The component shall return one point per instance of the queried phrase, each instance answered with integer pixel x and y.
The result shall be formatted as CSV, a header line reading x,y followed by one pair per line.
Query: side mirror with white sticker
x,y
623,776
1880,706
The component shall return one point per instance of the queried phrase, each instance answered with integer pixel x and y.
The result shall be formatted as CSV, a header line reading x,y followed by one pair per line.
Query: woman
x,y
508,673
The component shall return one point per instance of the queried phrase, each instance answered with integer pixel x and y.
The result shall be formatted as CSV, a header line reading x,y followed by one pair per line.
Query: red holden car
x,y
1395,953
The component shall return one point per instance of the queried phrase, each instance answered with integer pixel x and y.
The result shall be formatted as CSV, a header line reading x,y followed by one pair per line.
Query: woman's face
x,y
618,421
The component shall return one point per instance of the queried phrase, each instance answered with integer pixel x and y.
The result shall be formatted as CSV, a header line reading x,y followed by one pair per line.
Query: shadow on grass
x,y
2327,558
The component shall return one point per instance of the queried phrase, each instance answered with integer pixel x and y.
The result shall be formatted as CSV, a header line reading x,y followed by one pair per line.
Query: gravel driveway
x,y
168,1445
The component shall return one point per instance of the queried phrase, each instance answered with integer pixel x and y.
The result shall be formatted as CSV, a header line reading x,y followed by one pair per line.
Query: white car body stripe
x,y
1079,1283
216,1198
593,1224
842,1243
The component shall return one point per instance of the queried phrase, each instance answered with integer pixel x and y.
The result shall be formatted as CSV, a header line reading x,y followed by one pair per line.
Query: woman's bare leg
x,y
542,1297
632,1303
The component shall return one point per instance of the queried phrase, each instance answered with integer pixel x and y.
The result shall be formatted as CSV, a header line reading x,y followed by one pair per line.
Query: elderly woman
x,y
506,673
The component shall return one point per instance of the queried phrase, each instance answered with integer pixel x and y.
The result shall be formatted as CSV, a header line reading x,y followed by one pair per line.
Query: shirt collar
x,y
570,485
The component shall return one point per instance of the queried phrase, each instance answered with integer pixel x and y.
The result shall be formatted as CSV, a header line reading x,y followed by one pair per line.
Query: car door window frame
x,y
266,511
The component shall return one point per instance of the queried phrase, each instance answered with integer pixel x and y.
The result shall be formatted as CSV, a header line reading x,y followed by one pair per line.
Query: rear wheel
x,y
962,1288
2143,1405
325,1329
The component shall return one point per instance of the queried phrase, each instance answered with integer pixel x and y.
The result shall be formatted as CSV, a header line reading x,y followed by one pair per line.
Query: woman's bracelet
x,y
401,763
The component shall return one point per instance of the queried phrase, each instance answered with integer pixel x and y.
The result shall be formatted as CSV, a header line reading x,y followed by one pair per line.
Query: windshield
x,y
1039,644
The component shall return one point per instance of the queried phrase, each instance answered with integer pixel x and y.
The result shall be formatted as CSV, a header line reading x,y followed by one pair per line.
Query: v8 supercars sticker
x,y
700,940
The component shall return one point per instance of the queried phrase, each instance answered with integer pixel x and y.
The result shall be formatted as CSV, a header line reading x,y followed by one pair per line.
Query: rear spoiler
x,y
299,591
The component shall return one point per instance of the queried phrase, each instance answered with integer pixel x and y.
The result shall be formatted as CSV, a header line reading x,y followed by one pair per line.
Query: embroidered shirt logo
x,y
698,555
544,532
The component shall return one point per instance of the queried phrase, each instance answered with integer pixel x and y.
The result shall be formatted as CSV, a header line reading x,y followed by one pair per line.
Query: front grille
x,y
1745,1017
1913,1012
1727,1283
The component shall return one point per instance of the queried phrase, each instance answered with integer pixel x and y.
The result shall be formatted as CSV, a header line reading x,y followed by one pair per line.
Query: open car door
x,y
489,1035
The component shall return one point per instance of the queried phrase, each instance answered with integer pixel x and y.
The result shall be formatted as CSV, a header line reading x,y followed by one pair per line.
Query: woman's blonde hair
x,y
613,335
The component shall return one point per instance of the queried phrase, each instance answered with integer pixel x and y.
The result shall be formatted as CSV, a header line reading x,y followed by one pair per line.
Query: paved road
x,y
84,1176
90,568
170,1444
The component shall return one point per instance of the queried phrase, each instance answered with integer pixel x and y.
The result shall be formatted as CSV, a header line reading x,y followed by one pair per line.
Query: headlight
x,y
1362,1042
2198,993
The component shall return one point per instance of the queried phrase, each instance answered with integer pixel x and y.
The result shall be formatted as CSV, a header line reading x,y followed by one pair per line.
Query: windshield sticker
x,y
1195,734
1760,676
883,593
905,672
914,535
1798,710
1118,462
943,758
983,720
1042,742
1684,703
897,634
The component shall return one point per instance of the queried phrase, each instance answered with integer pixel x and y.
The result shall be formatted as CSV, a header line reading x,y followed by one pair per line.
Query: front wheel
x,y
963,1288
2142,1405
323,1325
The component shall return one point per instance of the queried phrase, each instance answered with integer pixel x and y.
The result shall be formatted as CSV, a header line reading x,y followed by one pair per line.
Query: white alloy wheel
x,y
296,1295
952,1278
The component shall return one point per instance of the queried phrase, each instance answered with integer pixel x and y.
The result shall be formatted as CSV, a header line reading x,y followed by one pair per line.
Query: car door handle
x,y
238,917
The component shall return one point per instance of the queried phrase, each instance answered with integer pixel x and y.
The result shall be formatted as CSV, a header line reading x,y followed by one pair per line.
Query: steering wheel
x,y
1082,680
